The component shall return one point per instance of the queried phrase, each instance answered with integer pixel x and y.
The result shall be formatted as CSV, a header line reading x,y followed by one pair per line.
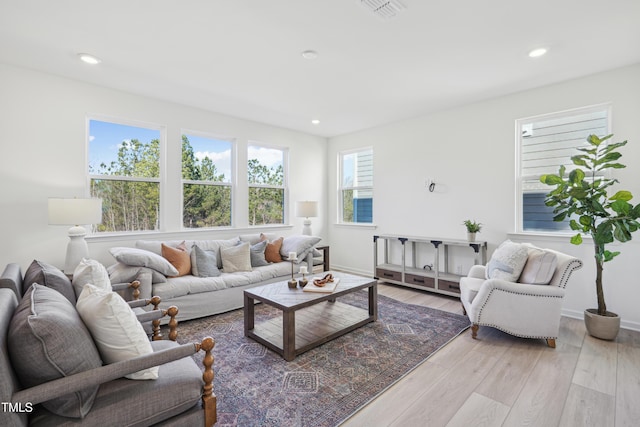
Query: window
x,y
266,168
356,186
124,171
206,181
545,143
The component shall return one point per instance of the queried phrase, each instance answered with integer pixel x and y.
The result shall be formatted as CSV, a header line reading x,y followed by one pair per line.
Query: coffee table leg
x,y
289,335
373,302
249,314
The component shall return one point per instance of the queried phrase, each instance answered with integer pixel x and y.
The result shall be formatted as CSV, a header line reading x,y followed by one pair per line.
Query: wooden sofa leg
x,y
551,342
474,331
464,310
208,398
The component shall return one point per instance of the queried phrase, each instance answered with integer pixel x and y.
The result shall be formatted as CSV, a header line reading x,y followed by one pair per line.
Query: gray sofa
x,y
53,375
205,296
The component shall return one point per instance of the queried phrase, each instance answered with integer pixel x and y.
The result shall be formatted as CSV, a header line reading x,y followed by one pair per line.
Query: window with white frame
x,y
544,144
124,171
207,178
266,169
355,195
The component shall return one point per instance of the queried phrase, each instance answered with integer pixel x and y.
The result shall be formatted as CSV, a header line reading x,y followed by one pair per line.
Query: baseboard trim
x,y
337,267
624,324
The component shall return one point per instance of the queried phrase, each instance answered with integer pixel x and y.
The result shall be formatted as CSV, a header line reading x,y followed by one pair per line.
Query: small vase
x,y
471,237
603,327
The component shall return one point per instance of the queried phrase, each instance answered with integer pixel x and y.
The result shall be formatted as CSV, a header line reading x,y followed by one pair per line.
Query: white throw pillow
x,y
539,268
299,244
236,258
90,271
507,261
143,258
115,329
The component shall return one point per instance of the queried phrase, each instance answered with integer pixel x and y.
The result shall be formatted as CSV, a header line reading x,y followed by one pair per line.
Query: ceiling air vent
x,y
385,9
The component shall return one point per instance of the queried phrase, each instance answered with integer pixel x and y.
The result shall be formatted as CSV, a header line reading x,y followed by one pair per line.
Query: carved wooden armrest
x,y
208,397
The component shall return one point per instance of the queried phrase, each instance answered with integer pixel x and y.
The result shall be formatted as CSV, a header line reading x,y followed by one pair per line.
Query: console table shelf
x,y
407,272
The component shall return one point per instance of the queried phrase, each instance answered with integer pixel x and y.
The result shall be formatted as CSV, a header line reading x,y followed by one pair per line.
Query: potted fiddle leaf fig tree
x,y
583,197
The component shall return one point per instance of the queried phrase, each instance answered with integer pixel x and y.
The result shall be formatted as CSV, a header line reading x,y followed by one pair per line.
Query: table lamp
x,y
306,210
75,212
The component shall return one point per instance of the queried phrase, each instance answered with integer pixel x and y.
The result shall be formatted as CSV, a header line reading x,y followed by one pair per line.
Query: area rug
x,y
324,386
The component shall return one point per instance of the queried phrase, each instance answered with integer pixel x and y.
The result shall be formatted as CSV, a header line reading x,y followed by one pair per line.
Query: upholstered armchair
x,y
528,306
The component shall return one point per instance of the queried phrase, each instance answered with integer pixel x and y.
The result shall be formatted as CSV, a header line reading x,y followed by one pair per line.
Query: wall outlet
x,y
459,269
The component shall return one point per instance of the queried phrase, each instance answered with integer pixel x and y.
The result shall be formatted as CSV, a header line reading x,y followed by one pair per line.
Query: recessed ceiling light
x,y
309,54
537,52
89,59
315,121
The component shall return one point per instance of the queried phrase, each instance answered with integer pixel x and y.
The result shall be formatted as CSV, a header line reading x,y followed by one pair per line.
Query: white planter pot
x,y
471,237
603,327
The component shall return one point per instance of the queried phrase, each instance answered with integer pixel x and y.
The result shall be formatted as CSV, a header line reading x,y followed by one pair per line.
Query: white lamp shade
x,y
306,209
75,211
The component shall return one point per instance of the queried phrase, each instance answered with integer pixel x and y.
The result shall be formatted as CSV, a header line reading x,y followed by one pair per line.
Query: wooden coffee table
x,y
308,319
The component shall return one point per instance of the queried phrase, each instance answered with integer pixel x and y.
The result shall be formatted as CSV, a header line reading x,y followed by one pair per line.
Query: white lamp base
x,y
76,249
306,228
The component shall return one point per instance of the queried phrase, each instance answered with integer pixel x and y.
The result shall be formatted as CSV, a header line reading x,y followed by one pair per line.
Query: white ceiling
x,y
243,57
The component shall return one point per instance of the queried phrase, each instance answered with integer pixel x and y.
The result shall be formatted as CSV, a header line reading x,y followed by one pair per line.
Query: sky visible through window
x,y
219,151
106,138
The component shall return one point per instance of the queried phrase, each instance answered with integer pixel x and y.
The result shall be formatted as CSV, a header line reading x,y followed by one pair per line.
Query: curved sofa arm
x,y
12,279
477,272
123,276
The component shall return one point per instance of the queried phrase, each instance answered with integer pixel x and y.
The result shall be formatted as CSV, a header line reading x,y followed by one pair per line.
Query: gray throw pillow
x,y
52,277
47,340
204,263
257,254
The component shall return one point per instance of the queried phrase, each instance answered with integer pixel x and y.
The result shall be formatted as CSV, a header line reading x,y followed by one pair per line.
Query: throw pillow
x,y
143,258
236,258
301,245
257,252
272,251
115,329
507,261
90,271
178,257
539,268
52,277
47,340
204,263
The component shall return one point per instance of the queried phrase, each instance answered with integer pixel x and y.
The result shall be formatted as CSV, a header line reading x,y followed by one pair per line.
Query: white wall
x,y
43,152
470,152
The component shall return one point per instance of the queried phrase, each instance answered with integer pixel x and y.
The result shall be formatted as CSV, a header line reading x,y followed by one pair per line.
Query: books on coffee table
x,y
328,288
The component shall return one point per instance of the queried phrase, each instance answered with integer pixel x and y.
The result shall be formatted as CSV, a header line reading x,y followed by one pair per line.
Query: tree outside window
x,y
206,181
266,178
124,171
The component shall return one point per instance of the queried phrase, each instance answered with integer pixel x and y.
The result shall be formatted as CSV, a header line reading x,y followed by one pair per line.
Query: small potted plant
x,y
472,228
583,197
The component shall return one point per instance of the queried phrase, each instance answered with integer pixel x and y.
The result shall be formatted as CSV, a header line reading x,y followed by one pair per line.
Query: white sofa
x,y
204,296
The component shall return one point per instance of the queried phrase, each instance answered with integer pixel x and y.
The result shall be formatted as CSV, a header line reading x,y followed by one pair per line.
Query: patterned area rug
x,y
324,386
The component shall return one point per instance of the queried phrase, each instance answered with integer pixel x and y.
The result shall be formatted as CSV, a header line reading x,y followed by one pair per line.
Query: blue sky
x,y
105,139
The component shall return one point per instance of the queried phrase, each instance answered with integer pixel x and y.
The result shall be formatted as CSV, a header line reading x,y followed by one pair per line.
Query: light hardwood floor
x,y
500,380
